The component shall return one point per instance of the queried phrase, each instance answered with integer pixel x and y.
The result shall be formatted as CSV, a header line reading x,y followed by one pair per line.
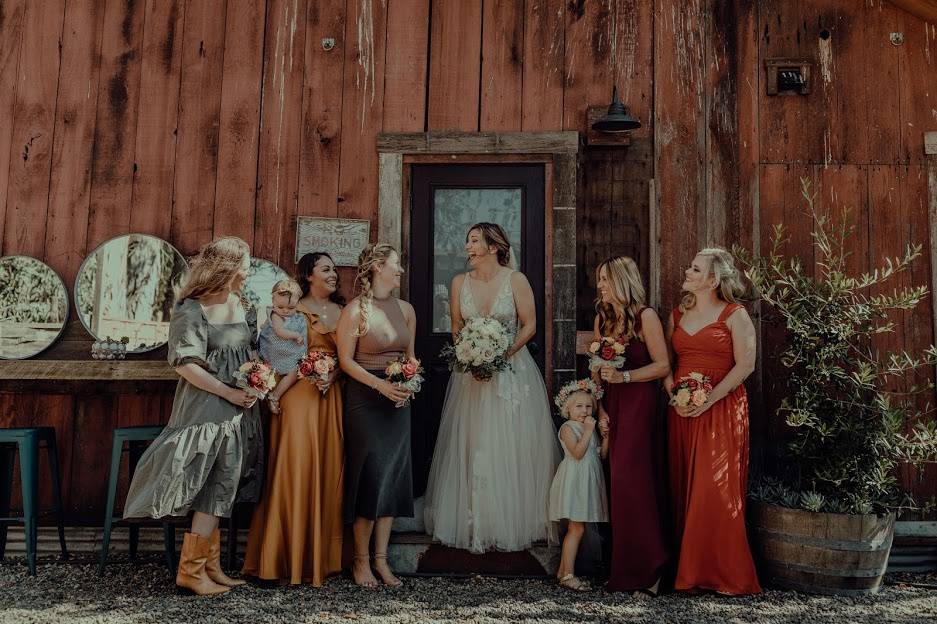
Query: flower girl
x,y
578,491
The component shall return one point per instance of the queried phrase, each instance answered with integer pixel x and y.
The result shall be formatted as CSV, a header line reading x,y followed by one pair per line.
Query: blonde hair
x,y
213,268
495,236
564,411
729,285
371,257
621,317
288,287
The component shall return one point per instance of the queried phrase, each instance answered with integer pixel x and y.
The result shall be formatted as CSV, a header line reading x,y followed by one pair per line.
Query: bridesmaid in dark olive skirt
x,y
375,329
378,474
629,411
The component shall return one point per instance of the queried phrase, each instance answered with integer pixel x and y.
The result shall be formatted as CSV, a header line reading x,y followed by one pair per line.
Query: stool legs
x,y
169,545
57,492
112,476
232,544
6,491
29,471
135,450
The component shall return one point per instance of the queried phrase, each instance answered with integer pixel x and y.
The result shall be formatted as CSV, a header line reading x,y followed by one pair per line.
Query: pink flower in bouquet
x,y
699,397
409,370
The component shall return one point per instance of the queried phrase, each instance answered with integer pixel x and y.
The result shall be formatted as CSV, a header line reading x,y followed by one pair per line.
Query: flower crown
x,y
583,385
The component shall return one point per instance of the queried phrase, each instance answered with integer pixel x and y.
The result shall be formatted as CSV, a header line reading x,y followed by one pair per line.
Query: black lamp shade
x,y
616,120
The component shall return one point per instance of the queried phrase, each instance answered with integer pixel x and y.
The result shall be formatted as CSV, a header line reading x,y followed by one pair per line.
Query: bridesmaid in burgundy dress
x,y
630,416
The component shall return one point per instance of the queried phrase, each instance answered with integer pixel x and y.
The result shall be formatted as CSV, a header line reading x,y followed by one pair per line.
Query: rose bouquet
x,y
405,374
317,366
256,378
606,352
479,348
692,390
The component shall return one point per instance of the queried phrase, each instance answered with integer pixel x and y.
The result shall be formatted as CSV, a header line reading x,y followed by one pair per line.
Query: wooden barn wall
x,y
190,119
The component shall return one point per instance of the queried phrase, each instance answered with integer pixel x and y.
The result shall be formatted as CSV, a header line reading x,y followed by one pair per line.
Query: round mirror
x,y
259,286
125,290
33,307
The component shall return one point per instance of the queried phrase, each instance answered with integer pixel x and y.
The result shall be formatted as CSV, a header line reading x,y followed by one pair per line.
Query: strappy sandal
x,y
383,557
274,404
574,583
365,585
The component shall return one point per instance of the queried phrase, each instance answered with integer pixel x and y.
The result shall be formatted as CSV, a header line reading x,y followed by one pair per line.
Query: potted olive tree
x,y
823,522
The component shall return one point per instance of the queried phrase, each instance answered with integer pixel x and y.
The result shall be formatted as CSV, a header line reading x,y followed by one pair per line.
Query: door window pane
x,y
455,210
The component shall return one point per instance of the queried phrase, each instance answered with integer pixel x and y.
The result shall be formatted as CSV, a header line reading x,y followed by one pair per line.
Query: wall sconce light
x,y
616,119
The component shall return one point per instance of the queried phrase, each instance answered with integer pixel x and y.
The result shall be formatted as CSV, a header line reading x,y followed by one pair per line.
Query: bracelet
x,y
626,376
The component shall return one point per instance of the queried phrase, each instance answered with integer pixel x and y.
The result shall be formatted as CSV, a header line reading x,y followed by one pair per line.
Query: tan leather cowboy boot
x,y
191,574
213,567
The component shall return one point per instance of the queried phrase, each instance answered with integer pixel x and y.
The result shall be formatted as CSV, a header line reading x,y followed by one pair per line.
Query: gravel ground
x,y
144,593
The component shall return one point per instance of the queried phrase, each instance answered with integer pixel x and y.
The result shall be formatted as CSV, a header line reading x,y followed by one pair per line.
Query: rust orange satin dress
x,y
296,530
708,458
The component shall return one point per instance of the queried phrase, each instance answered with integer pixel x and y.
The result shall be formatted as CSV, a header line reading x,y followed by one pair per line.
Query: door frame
x,y
558,152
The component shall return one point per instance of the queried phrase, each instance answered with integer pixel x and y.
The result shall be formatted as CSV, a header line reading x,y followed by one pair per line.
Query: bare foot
x,y
384,571
361,572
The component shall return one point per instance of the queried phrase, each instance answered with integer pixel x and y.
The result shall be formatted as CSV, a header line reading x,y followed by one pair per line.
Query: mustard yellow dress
x,y
296,530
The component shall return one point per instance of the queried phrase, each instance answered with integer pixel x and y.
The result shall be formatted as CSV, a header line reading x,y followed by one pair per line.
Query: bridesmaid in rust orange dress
x,y
296,532
708,445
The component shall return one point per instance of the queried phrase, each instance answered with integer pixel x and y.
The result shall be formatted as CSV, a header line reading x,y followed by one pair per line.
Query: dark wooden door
x,y
446,201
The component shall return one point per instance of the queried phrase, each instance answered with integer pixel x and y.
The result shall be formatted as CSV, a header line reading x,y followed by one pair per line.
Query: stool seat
x,y
136,440
27,441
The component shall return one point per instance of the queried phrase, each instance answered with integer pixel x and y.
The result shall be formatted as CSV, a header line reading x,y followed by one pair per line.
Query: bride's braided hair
x,y
371,257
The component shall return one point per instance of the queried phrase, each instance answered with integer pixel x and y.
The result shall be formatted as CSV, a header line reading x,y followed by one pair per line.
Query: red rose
x,y
608,353
409,370
692,384
255,379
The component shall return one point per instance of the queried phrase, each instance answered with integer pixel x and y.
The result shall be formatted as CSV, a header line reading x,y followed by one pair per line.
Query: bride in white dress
x,y
496,453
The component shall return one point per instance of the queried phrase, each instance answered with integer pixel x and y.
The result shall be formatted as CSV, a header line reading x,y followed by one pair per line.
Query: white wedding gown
x,y
496,453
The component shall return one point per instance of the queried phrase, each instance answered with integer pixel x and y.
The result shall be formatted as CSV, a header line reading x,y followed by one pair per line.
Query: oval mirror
x,y
33,307
259,286
125,290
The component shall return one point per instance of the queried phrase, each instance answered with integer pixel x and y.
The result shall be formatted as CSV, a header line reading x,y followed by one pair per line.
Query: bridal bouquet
x,y
256,378
317,366
694,389
479,348
606,352
403,373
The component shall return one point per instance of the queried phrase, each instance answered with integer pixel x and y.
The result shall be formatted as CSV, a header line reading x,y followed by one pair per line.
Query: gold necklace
x,y
323,309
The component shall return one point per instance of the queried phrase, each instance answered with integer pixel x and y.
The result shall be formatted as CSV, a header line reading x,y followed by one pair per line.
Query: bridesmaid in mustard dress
x,y
296,531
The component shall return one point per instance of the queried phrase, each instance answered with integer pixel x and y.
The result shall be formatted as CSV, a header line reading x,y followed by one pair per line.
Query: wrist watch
x,y
626,376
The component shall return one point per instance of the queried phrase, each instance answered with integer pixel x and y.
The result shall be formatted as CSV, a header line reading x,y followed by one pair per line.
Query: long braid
x,y
370,257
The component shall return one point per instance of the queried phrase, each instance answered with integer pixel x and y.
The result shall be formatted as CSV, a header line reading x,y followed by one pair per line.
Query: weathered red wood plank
x,y
198,121
846,187
454,69
362,107
502,65
320,149
11,39
280,129
405,70
156,122
881,68
679,87
70,188
917,84
116,123
543,72
919,329
749,80
239,136
30,155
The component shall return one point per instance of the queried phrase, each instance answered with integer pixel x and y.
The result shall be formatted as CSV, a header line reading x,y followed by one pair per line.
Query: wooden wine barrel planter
x,y
820,553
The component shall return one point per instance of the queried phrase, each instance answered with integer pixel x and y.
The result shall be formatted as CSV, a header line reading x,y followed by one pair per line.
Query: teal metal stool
x,y
27,442
136,439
